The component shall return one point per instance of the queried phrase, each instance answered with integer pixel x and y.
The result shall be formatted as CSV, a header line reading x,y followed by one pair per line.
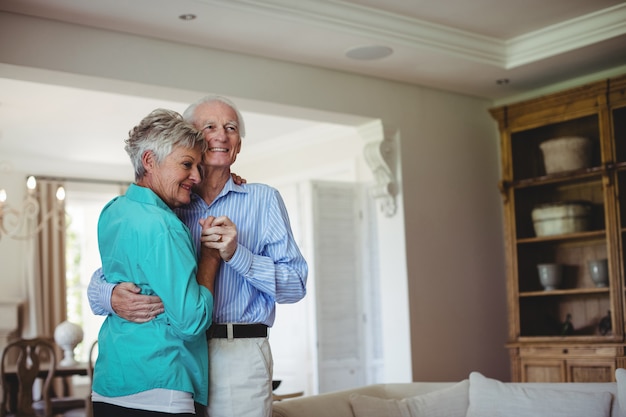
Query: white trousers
x,y
240,383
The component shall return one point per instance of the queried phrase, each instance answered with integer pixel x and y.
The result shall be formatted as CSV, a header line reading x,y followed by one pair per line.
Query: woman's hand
x,y
219,233
237,179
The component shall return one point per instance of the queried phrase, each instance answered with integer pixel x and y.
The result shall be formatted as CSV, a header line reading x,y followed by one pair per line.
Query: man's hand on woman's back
x,y
130,305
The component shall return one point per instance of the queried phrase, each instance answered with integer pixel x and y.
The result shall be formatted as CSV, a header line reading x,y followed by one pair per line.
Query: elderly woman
x,y
159,367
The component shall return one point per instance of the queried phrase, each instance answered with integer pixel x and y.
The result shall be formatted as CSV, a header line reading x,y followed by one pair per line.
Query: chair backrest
x,y
23,361
93,354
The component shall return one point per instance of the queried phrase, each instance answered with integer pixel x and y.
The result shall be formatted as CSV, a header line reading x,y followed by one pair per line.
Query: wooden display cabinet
x,y
554,363
542,346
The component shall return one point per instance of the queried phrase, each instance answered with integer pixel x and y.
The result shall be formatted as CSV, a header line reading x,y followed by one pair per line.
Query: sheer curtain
x,y
45,270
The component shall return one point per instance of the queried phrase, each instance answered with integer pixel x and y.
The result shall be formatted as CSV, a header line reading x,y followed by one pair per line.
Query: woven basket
x,y
566,154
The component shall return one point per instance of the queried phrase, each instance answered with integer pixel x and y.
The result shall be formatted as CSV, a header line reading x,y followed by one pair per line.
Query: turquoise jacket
x,y
141,240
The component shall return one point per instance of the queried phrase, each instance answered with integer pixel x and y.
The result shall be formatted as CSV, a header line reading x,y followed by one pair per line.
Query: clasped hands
x,y
219,233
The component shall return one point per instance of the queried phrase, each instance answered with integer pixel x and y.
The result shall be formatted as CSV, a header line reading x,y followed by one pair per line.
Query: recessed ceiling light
x,y
187,16
369,53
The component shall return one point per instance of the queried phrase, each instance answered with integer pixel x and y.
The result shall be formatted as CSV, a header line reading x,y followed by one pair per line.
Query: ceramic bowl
x,y
550,275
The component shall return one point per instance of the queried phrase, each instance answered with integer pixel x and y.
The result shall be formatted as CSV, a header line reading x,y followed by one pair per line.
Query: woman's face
x,y
173,179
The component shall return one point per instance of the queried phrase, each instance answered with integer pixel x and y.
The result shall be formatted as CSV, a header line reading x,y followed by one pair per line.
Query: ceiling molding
x,y
420,34
435,55
383,26
567,36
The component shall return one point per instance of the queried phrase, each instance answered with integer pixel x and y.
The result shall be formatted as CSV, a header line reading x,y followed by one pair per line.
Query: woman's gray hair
x,y
159,132
189,115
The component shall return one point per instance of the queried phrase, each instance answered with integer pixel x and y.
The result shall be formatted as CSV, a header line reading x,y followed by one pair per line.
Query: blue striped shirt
x,y
267,267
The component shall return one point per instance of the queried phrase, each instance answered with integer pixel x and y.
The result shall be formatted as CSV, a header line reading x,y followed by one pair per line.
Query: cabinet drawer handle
x,y
565,351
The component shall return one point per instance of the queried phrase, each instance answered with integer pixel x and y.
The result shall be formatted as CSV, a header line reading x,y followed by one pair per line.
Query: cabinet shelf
x,y
566,340
570,237
620,166
589,189
575,291
594,317
570,176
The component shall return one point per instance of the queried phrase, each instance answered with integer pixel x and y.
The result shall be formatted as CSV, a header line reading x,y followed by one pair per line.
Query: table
x,y
60,372
78,369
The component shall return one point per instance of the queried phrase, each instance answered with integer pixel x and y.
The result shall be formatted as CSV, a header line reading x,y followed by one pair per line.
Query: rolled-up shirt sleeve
x,y
99,294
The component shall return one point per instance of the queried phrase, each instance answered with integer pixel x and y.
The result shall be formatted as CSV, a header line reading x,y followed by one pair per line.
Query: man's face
x,y
218,123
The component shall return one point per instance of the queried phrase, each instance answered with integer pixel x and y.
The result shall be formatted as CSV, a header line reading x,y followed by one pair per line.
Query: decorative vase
x,y
68,335
550,275
598,269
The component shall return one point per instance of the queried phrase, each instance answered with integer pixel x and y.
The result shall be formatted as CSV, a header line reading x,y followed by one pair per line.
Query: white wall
x,y
463,267
442,247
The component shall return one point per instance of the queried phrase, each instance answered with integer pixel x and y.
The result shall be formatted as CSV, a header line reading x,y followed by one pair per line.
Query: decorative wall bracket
x,y
381,155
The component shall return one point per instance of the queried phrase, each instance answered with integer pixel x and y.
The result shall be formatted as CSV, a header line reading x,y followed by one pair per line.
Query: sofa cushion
x,y
329,404
489,398
447,402
366,406
337,403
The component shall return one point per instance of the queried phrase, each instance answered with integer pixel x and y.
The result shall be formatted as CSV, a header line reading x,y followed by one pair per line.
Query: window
x,y
83,204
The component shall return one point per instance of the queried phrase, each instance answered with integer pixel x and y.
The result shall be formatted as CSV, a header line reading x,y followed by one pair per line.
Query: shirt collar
x,y
145,195
229,187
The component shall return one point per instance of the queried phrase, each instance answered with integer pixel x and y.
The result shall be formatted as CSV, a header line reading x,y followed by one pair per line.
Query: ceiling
x,y
486,48
459,45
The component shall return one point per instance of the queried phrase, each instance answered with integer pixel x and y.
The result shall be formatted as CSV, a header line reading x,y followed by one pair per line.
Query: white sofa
x,y
477,396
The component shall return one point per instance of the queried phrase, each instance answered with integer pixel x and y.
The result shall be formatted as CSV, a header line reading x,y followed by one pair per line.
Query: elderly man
x,y
261,266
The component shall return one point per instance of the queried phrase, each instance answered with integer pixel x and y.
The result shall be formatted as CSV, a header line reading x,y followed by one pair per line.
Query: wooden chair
x,y
34,358
29,360
93,355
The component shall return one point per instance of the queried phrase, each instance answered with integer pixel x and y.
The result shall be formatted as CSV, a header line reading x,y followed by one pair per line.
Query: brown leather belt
x,y
240,331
